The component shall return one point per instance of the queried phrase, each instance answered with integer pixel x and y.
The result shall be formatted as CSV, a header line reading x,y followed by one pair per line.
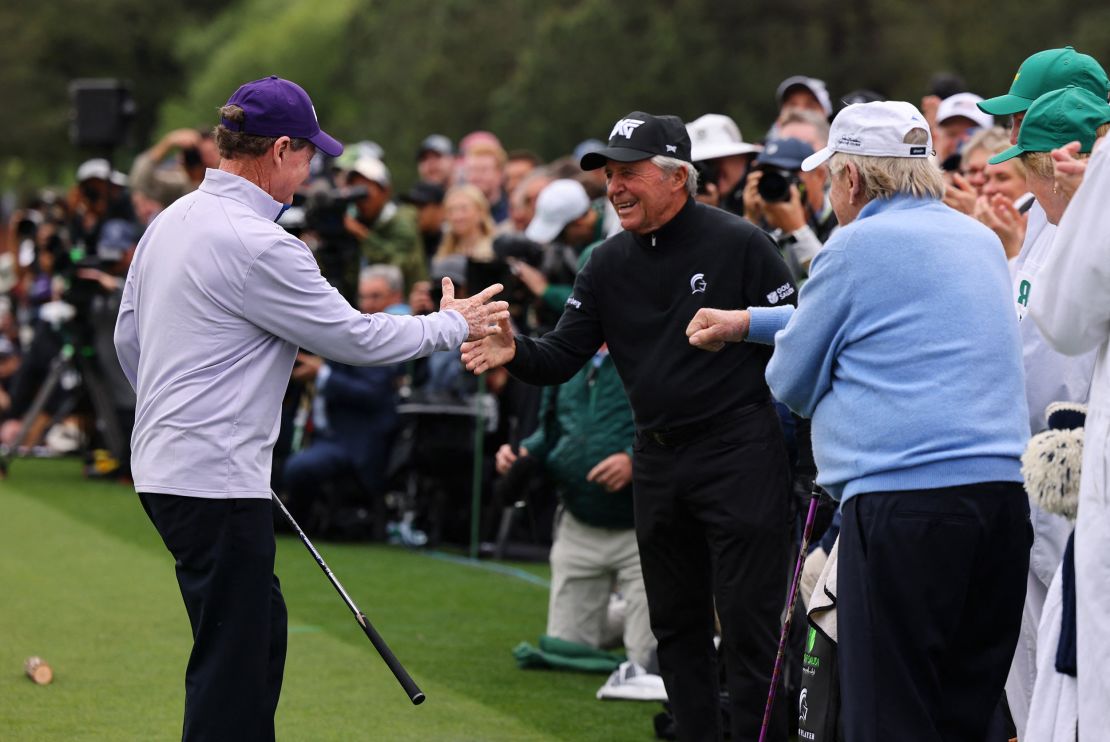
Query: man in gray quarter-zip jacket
x,y
216,304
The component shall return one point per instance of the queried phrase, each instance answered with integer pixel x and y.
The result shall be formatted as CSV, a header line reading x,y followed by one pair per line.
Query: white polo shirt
x,y
217,301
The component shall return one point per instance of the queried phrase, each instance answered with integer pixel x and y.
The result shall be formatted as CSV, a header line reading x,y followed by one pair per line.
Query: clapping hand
x,y
1068,169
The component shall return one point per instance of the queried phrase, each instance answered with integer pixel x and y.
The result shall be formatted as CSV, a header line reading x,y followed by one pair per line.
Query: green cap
x,y
1057,118
1045,71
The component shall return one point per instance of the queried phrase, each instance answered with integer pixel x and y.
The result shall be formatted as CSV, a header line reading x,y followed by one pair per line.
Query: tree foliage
x,y
543,74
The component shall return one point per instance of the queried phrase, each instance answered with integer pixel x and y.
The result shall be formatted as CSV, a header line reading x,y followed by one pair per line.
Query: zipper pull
x,y
653,240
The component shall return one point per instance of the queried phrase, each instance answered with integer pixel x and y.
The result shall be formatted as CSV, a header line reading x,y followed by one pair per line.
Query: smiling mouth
x,y
623,207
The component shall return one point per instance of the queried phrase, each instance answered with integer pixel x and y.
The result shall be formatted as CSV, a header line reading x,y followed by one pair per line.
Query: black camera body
x,y
775,184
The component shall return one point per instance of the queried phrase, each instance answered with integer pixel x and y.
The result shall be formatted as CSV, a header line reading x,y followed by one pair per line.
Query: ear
x,y
855,185
280,149
679,177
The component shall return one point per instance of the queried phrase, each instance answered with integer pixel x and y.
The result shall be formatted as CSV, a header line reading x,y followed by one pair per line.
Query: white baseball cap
x,y
874,130
964,104
559,204
716,135
373,169
96,168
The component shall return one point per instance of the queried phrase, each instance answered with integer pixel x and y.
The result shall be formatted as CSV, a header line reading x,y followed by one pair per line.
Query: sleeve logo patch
x,y
780,293
572,302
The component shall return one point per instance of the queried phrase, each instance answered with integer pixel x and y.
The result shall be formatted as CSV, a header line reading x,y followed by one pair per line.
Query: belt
x,y
683,434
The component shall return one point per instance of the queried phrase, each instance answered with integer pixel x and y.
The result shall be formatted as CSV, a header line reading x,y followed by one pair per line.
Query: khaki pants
x,y
585,563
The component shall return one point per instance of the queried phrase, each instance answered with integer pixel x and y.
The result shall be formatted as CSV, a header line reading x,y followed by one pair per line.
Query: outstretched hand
x,y
710,329
492,351
483,317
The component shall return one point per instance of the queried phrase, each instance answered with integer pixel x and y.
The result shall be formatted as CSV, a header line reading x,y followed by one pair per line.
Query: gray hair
x,y
391,274
669,164
819,123
884,177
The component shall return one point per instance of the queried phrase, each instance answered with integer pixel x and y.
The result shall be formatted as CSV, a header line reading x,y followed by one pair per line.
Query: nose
x,y
613,186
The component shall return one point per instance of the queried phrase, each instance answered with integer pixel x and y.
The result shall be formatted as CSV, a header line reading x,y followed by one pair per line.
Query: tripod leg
x,y
104,409
57,367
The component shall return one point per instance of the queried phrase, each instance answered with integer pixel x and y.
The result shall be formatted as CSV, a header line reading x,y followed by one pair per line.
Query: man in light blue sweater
x,y
904,350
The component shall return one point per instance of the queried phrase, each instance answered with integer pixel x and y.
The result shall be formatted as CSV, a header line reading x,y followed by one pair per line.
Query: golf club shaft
x,y
806,532
406,681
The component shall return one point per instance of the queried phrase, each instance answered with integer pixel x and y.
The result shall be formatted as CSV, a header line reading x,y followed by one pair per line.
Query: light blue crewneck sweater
x,y
904,351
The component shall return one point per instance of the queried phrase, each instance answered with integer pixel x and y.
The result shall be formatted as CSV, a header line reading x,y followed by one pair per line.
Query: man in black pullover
x,y
710,473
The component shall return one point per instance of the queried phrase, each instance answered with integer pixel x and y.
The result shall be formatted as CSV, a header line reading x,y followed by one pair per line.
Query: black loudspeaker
x,y
101,113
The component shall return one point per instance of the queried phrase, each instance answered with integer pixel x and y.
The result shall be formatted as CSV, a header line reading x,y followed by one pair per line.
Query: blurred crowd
x,y
397,452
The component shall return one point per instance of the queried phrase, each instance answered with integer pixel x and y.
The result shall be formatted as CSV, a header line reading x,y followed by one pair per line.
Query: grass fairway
x,y
86,584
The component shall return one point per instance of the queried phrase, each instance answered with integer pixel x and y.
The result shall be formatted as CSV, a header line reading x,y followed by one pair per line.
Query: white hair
x,y
669,164
391,274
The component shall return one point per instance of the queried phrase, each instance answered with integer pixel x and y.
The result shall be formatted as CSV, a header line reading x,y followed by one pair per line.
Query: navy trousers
x,y
931,585
224,552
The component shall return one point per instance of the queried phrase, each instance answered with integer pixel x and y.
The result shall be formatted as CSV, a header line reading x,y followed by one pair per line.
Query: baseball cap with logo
x,y
716,135
1045,71
874,130
274,107
1056,118
559,204
641,136
964,104
812,84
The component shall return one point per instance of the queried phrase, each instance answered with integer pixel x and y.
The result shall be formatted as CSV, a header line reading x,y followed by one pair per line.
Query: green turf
x,y
86,584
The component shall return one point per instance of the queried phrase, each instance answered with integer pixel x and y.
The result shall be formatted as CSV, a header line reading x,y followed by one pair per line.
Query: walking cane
x,y
816,496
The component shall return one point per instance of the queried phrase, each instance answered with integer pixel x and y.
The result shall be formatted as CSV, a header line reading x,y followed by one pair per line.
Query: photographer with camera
x,y
154,177
548,257
387,232
790,204
722,158
583,445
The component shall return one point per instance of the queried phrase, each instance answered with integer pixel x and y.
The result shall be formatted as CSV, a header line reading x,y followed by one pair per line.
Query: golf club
x,y
814,498
406,681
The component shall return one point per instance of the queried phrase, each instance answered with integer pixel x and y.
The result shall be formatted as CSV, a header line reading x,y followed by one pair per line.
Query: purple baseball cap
x,y
278,108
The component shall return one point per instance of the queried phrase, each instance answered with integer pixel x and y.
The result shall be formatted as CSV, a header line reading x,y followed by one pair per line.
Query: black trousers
x,y
931,585
712,522
225,568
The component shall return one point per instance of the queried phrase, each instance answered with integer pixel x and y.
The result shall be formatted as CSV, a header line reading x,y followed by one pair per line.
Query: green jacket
x,y
395,239
592,421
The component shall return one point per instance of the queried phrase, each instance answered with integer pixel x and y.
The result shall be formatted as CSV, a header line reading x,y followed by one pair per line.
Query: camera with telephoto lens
x,y
775,184
708,172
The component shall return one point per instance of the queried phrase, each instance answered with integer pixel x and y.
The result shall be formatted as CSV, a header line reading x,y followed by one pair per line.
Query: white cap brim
x,y
543,230
817,159
727,149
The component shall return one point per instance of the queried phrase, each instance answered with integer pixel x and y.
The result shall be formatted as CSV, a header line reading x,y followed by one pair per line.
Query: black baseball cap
x,y
641,136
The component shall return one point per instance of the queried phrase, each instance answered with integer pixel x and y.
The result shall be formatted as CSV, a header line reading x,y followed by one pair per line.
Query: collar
x,y
679,224
386,215
897,202
226,185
